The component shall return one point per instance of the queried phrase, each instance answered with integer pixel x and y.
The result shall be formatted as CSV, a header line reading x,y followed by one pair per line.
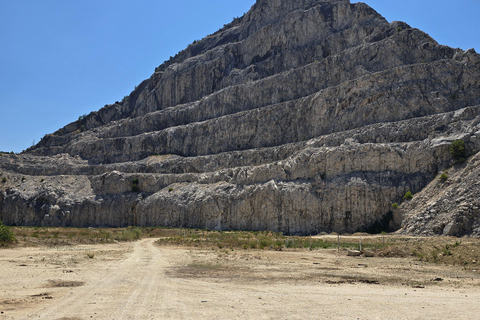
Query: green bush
x,y
129,234
408,196
135,187
395,205
457,150
444,177
6,235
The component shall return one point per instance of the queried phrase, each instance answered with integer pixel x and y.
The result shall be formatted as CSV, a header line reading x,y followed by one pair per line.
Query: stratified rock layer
x,y
300,117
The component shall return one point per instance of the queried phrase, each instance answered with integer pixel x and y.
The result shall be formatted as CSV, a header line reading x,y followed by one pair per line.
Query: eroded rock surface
x,y
300,117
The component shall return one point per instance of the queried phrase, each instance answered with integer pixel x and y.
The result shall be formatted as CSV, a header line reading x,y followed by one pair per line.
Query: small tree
x,y
457,150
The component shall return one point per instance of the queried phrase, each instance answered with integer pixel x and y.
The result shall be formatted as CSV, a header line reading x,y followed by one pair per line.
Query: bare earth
x,y
141,280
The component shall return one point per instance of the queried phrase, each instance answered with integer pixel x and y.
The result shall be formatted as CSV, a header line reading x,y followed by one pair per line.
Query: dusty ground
x,y
141,280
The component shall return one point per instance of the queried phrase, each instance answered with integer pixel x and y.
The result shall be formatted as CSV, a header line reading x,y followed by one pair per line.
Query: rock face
x,y
449,205
300,117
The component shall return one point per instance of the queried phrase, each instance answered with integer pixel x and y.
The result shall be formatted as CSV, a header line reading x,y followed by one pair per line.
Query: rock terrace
x,y
300,117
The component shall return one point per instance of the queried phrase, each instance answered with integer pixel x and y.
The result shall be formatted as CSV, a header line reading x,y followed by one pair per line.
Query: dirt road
x,y
143,281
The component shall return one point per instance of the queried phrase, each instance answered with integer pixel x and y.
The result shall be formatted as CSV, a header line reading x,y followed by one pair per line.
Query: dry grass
x,y
37,236
463,252
263,240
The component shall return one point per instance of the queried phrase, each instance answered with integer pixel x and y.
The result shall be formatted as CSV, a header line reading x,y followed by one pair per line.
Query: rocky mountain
x,y
300,117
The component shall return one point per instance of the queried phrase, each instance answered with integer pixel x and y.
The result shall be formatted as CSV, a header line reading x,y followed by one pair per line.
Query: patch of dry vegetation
x,y
464,252
263,240
441,250
37,236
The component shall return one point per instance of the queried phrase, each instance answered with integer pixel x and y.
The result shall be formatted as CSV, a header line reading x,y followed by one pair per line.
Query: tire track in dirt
x,y
130,289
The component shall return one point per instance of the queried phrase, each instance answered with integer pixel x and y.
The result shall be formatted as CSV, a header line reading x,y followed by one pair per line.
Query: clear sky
x,y
60,59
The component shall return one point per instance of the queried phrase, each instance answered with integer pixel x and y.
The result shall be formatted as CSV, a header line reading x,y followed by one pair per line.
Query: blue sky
x,y
60,59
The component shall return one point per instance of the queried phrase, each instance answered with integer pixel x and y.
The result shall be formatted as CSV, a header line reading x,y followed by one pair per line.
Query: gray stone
x,y
368,254
354,253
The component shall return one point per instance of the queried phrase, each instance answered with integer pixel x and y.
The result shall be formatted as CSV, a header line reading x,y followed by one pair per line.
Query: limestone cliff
x,y
300,117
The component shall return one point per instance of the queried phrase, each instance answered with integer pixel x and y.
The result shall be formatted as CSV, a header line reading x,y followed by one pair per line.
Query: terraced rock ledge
x,y
301,117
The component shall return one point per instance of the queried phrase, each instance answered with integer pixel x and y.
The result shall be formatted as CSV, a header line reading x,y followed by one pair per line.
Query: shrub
x,y
4,179
395,205
135,187
446,251
129,234
6,235
443,177
264,243
457,150
408,196
399,29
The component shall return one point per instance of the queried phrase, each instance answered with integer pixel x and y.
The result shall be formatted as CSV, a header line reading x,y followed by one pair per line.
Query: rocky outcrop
x,y
449,205
300,117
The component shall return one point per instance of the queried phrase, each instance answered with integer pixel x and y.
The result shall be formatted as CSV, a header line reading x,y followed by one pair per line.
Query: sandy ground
x,y
141,280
